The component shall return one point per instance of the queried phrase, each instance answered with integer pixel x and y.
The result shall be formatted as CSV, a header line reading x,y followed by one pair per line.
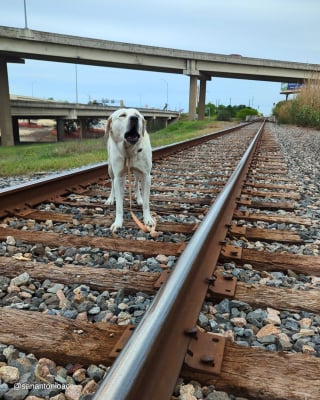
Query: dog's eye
x,y
122,115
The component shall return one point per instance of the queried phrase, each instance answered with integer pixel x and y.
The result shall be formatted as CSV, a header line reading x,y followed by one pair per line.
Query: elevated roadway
x,y
41,108
18,44
33,108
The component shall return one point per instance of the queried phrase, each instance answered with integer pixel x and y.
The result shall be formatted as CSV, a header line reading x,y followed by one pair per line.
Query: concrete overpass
x,y
23,107
17,43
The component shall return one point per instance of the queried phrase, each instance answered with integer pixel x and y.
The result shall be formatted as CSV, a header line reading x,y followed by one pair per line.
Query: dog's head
x,y
126,124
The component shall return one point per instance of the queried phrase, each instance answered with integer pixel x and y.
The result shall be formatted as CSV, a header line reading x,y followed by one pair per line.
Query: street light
x,y
76,71
167,93
25,15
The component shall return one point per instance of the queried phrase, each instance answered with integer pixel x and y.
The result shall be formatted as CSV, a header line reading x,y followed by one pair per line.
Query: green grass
x,y
28,159
43,157
184,130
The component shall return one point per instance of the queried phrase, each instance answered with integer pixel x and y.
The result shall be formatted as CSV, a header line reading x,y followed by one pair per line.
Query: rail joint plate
x,y
223,284
205,353
162,279
122,341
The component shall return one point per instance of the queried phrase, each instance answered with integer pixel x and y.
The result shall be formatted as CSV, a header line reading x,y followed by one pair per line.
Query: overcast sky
x,y
287,30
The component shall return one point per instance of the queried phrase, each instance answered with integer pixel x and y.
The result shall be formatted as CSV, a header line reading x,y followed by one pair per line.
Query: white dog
x,y
129,147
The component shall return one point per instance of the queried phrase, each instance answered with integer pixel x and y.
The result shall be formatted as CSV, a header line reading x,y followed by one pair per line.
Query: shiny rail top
x,y
148,366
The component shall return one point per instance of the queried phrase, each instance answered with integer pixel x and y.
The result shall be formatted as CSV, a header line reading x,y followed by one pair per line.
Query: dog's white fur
x,y
129,145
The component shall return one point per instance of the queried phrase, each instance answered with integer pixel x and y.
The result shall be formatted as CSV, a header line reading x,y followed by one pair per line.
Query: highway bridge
x,y
17,44
23,107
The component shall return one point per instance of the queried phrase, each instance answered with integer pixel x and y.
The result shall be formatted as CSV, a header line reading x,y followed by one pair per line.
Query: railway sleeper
x,y
262,260
149,282
286,219
265,234
41,215
258,373
52,239
210,358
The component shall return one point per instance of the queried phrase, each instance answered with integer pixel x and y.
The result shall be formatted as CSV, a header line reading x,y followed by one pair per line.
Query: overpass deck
x,y
17,44
26,43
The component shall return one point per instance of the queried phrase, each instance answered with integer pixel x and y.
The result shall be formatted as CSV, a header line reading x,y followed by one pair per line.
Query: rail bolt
x,y
207,360
192,332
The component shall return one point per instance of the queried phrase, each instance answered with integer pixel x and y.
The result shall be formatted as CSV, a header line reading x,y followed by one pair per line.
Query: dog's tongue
x,y
132,136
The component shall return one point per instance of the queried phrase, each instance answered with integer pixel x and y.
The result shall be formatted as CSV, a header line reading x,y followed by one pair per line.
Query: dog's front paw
x,y
149,221
109,201
116,225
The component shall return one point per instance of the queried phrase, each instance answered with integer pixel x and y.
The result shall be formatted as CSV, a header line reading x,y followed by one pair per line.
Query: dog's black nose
x,y
134,118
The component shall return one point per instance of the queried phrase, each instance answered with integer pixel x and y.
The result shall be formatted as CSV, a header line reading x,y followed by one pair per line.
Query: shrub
x,y
241,114
304,109
224,114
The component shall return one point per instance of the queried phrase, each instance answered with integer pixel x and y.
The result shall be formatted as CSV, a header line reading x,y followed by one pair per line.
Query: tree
x,y
224,113
210,110
241,114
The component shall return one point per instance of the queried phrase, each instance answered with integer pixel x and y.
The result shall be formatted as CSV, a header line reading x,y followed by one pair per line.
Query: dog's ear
x,y
144,124
108,127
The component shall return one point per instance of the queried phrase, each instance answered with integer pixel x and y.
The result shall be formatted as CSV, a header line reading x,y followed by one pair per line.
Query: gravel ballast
x,y
265,328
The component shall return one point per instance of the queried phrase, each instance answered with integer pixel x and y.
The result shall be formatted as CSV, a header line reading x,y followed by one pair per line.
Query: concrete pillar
x,y
83,128
5,107
193,97
202,98
155,124
60,129
15,128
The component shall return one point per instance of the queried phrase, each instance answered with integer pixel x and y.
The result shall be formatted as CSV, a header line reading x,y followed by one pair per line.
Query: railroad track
x,y
198,298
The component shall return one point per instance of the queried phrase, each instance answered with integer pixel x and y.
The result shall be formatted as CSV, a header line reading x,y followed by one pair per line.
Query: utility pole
x,y
25,15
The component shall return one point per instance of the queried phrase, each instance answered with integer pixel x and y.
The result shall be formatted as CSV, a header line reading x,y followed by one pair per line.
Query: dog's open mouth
x,y
132,136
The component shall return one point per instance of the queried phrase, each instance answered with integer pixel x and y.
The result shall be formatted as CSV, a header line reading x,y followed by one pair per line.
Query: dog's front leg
x,y
145,186
118,187
137,190
110,199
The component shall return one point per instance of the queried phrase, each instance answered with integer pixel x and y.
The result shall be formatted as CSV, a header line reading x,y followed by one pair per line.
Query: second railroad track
x,y
225,291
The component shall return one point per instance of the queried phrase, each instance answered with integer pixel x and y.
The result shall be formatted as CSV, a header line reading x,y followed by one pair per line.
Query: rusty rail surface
x,y
149,364
25,195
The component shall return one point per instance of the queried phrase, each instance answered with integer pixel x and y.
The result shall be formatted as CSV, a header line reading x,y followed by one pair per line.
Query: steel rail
x,y
150,362
20,196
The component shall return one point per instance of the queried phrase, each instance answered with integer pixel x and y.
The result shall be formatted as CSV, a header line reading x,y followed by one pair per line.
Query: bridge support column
x,y
202,96
60,129
15,128
155,124
83,128
192,70
5,108
193,97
